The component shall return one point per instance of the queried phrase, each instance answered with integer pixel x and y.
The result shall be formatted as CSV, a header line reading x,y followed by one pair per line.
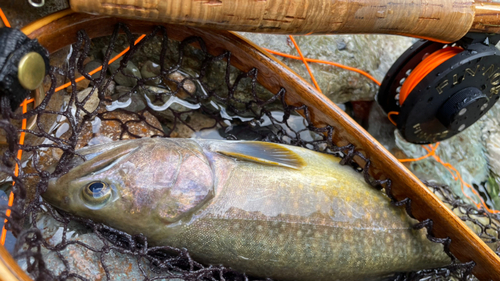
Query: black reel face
x,y
450,98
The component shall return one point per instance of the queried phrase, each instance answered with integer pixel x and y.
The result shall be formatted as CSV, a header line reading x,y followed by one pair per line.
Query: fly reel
x,y
435,91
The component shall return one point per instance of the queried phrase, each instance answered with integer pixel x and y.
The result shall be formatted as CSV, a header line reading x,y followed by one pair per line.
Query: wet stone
x,y
84,261
341,45
163,102
93,65
124,94
196,122
491,139
91,99
133,125
191,65
493,150
127,76
181,83
80,85
150,69
465,151
122,77
110,89
374,54
379,126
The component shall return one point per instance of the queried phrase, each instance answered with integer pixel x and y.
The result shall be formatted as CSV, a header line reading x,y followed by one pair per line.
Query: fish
x,y
265,209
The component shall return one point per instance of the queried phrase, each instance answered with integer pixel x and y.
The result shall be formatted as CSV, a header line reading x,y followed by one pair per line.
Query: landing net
x,y
158,88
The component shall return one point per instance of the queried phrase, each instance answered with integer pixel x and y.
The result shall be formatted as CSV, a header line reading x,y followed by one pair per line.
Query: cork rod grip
x,y
438,20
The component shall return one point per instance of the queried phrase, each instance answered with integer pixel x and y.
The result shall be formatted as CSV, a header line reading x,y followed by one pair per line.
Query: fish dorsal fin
x,y
263,152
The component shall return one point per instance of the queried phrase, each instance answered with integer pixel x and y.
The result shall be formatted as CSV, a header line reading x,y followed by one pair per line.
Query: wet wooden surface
x,y
487,17
9,270
274,75
440,20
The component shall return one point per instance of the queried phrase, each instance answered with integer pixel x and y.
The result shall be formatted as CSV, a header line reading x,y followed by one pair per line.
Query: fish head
x,y
135,185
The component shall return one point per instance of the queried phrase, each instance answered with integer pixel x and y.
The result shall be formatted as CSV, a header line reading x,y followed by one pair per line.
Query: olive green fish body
x,y
268,210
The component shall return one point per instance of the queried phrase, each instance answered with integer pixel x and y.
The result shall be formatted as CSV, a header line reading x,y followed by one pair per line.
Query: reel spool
x,y
435,91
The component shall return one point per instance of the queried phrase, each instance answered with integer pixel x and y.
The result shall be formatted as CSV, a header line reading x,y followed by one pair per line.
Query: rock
x,y
110,89
83,84
82,260
213,79
122,125
493,150
464,151
196,121
173,81
493,154
372,53
162,103
379,126
491,138
122,77
123,95
94,64
92,100
150,69
183,81
341,45
88,263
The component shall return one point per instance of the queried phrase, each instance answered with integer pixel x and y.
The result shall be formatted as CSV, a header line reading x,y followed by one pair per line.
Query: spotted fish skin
x,y
285,212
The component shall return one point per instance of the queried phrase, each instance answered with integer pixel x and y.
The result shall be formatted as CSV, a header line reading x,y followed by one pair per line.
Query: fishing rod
x,y
436,20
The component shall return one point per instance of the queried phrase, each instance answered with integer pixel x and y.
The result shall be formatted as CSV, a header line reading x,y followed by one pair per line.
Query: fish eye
x,y
96,192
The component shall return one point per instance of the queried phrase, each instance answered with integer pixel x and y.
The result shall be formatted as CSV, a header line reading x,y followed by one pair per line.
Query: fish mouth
x,y
86,161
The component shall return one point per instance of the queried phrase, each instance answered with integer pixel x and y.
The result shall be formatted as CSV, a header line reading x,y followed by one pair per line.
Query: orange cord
x,y
100,67
4,18
431,153
326,62
425,67
458,176
16,170
454,173
389,116
305,63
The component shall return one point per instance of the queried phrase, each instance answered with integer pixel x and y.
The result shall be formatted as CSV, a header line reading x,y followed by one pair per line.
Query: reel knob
x,y
463,109
435,91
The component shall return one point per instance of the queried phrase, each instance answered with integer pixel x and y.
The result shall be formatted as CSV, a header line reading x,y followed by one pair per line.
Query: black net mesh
x,y
209,99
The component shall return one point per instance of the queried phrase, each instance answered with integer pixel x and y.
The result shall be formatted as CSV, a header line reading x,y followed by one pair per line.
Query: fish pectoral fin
x,y
264,153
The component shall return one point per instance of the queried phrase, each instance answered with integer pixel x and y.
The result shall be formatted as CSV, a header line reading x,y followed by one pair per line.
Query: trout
x,y
265,209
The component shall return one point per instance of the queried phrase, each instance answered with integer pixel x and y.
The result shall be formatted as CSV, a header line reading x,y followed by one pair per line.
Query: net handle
x,y
9,270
